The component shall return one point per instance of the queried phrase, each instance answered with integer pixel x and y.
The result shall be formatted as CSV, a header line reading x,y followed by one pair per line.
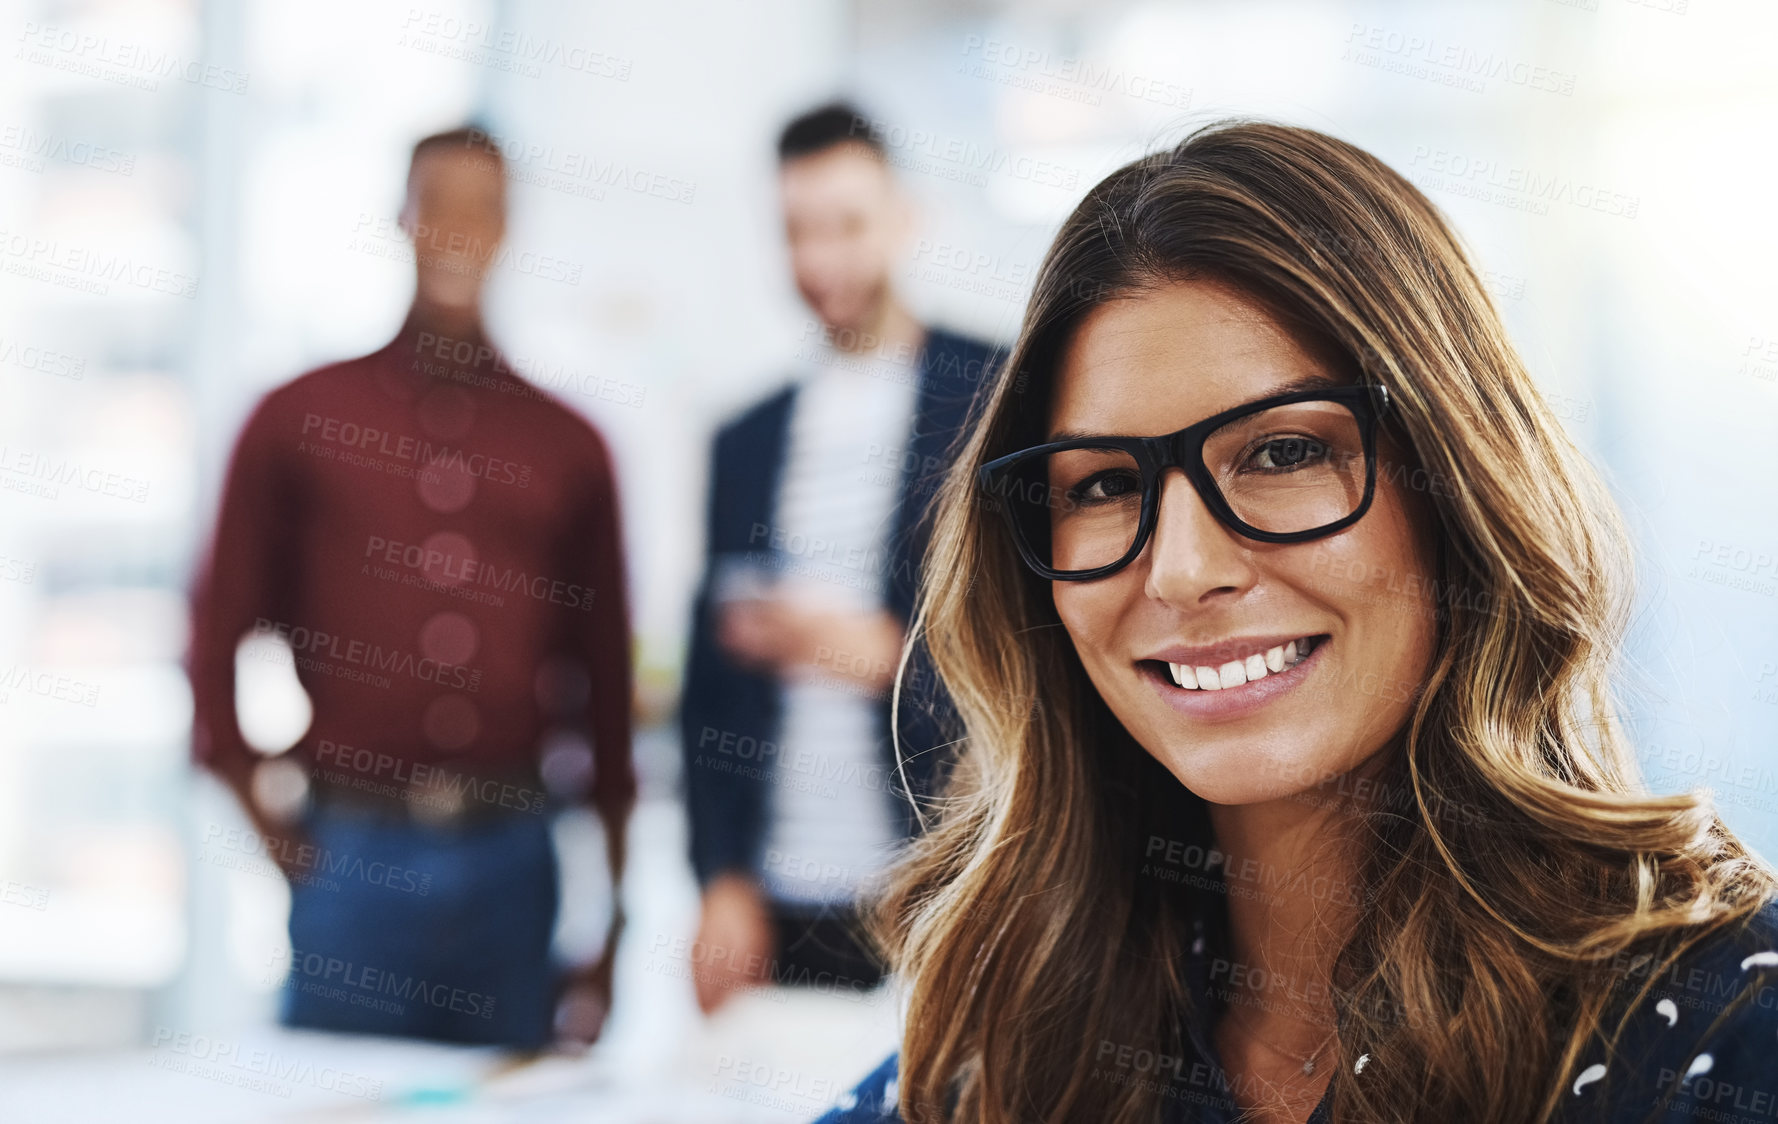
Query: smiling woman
x,y
1203,591
1289,786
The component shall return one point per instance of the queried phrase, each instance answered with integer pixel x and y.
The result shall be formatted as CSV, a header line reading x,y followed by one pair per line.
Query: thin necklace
x,y
1306,1061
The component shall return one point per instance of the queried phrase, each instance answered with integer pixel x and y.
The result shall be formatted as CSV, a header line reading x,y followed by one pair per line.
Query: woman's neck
x,y
1290,871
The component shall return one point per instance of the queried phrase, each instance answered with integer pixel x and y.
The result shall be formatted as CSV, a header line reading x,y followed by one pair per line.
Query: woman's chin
x,y
1232,775
1230,788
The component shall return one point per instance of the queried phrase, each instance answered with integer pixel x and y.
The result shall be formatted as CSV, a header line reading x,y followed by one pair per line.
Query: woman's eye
x,y
1281,454
1103,486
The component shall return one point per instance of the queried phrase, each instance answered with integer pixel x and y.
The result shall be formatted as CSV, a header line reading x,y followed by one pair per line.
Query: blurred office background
x,y
1610,162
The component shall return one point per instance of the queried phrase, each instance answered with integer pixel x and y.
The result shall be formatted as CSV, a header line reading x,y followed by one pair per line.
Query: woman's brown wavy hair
x,y
1526,866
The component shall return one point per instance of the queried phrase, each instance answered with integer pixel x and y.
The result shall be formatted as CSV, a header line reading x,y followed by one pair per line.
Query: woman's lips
x,y
1218,674
1233,701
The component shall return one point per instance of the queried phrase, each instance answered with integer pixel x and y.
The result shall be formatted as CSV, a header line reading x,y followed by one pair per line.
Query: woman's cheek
x,y
1090,611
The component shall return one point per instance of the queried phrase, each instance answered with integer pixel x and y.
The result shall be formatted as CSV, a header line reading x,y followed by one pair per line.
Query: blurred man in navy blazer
x,y
816,528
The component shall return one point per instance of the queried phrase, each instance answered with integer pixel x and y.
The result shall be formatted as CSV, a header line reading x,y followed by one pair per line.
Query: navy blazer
x,y
729,716
1702,1045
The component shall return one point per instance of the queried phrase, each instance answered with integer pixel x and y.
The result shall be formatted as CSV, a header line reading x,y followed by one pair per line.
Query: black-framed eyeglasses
x,y
1284,469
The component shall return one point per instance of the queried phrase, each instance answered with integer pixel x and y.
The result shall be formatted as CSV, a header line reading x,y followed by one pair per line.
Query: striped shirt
x,y
831,828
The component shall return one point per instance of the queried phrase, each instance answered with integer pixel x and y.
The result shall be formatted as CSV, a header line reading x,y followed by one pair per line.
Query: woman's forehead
x,y
1167,356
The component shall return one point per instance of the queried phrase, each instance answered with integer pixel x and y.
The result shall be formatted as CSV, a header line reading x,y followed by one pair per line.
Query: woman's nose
x,y
1191,555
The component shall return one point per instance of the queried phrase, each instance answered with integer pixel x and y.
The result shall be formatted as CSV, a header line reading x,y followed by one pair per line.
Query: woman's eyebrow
x,y
1317,381
1320,380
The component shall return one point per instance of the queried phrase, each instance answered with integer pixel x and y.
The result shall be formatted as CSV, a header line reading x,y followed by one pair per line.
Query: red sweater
x,y
439,543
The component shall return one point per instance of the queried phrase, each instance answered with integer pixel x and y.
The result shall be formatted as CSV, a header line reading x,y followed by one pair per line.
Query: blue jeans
x,y
420,932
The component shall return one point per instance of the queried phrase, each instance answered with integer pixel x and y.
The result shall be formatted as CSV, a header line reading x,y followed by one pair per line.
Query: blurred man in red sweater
x,y
438,544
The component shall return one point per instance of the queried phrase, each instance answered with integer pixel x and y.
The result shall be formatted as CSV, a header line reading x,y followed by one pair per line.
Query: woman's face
x,y
1359,601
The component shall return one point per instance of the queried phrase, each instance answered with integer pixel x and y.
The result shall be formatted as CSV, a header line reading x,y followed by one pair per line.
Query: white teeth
x,y
1237,672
